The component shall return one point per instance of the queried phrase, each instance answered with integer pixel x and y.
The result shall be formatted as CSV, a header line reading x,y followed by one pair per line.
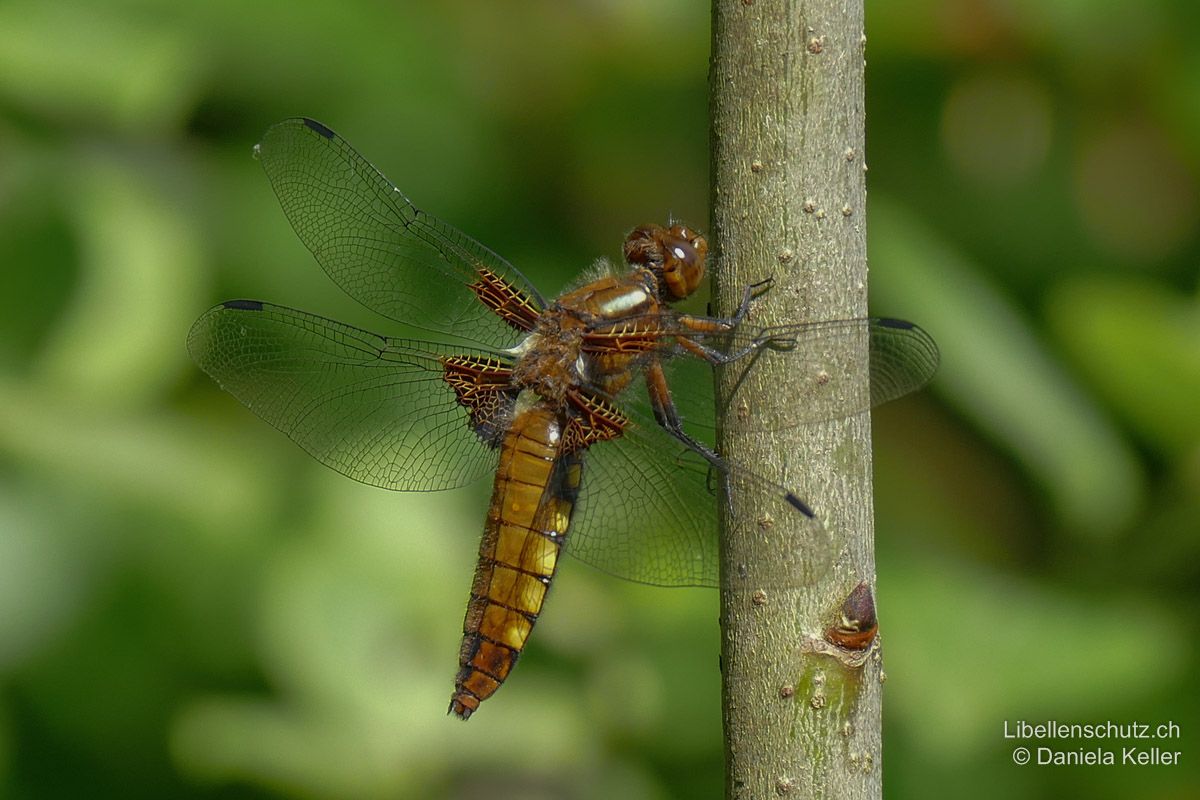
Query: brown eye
x,y
683,267
683,252
697,242
675,255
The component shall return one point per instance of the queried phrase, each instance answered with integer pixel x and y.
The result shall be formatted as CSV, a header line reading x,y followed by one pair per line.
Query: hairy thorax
x,y
551,360
572,344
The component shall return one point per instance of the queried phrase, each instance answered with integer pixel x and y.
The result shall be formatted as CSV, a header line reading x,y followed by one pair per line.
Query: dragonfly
x,y
537,392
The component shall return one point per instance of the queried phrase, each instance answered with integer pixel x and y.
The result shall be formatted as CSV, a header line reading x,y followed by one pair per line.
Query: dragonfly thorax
x,y
551,359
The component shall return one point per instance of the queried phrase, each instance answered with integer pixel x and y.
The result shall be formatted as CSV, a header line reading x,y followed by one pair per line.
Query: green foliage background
x,y
190,607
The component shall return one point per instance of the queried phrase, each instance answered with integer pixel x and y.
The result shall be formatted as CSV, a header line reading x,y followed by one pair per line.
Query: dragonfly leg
x,y
667,415
749,294
726,324
714,356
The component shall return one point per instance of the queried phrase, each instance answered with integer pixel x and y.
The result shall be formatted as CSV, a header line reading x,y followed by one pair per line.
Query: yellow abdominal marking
x,y
526,550
513,627
544,561
517,589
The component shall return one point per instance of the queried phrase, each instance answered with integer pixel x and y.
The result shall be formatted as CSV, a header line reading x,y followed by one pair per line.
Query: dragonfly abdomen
x,y
533,498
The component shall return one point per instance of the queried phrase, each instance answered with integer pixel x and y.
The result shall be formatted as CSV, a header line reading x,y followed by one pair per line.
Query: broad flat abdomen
x,y
532,501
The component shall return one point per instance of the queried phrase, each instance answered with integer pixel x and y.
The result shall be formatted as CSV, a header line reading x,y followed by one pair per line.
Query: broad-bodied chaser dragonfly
x,y
528,394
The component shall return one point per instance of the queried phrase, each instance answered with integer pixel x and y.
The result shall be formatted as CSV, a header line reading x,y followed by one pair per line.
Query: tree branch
x,y
802,705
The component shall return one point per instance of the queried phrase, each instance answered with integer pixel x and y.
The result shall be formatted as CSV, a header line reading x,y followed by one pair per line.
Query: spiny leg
x,y
719,325
667,415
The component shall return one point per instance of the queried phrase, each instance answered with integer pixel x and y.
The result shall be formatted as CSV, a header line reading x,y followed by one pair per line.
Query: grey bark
x,y
788,202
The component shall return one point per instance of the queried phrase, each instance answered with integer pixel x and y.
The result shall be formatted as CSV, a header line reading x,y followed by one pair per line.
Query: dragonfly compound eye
x,y
683,267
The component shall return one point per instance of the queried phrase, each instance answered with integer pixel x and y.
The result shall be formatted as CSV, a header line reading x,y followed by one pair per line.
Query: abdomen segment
x,y
533,498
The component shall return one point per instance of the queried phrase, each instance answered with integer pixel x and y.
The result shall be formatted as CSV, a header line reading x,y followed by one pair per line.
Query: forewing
x,y
822,360
376,245
373,408
904,357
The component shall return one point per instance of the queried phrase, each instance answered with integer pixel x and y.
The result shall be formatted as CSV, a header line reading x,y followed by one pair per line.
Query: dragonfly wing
x,y
823,360
376,245
642,517
647,512
904,357
371,407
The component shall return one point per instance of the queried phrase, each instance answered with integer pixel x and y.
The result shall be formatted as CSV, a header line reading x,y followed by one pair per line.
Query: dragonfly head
x,y
675,255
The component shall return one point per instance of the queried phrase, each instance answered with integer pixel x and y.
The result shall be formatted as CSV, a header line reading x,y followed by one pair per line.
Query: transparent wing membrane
x,y
664,530
373,408
820,361
376,245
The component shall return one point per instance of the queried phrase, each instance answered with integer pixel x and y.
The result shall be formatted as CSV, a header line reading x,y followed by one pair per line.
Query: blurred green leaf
x,y
1000,376
46,572
81,64
975,649
119,341
158,460
1139,345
